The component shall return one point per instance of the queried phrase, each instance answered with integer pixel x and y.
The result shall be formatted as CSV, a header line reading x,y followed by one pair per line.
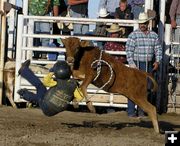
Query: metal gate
x,y
25,47
174,70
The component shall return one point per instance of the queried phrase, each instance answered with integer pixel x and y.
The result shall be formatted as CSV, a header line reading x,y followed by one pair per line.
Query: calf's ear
x,y
85,43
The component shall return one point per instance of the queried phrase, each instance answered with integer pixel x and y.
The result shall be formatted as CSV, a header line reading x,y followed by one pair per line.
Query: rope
x,y
98,65
98,72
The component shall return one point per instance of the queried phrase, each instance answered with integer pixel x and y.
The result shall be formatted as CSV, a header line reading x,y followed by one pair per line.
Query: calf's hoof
x,y
75,104
91,107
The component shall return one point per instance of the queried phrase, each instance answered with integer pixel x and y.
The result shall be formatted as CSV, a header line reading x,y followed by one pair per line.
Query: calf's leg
x,y
9,95
150,110
83,87
9,77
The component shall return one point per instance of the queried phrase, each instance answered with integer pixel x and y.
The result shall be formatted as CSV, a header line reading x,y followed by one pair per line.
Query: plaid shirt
x,y
40,7
143,47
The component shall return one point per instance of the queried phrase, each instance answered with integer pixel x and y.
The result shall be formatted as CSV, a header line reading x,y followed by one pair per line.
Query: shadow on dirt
x,y
164,126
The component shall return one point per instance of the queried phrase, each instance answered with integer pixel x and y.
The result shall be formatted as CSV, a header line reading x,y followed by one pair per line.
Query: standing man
x,y
110,6
79,9
175,17
42,8
144,52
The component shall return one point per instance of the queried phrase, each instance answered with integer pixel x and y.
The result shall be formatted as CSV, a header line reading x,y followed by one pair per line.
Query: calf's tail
x,y
155,85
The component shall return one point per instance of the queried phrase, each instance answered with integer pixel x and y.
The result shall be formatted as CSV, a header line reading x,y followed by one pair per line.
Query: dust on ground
x,y
29,127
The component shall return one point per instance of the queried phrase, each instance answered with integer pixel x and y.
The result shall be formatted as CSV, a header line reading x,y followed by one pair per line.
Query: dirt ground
x,y
29,127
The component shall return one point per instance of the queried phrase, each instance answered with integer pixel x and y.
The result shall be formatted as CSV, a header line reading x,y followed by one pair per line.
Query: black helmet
x,y
62,70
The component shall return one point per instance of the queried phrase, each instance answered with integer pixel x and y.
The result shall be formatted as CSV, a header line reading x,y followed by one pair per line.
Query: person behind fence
x,y
175,18
137,7
100,29
124,12
61,27
79,9
116,32
61,91
141,48
42,8
110,6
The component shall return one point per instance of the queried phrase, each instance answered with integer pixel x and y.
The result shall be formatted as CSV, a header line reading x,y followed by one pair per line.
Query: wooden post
x,y
2,47
11,29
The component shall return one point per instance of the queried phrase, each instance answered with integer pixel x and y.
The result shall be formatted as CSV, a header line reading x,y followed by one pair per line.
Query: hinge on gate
x,y
8,6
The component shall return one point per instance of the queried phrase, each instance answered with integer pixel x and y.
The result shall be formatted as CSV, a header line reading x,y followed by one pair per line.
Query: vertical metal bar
x,y
18,56
30,40
25,27
162,5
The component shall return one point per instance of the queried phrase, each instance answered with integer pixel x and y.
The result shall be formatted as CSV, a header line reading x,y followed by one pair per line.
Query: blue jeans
x,y
131,106
79,29
42,28
34,80
137,10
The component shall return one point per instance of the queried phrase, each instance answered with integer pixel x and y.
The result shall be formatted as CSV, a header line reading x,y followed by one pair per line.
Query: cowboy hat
x,y
143,17
103,12
115,28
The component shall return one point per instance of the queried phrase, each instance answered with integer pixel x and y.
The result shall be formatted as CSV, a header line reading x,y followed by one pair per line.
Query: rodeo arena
x,y
89,72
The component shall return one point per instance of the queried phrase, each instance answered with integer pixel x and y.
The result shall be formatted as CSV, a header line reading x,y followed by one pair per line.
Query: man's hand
x,y
173,24
156,65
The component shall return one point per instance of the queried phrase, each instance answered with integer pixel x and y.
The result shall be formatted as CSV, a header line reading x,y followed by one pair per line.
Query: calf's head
x,y
72,45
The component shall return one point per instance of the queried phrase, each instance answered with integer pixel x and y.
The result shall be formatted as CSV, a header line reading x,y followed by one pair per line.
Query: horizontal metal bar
x,y
120,105
50,49
105,104
116,52
47,49
175,43
74,19
90,38
175,55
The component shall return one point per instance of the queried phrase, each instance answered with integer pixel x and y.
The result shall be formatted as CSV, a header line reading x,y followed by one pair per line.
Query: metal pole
x,y
167,39
162,5
162,94
25,27
25,7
